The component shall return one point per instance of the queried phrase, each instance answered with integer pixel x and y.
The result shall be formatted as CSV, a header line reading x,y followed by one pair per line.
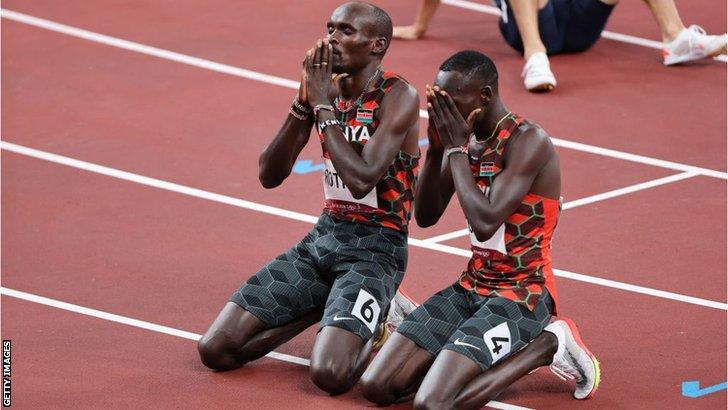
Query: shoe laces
x,y
697,33
560,373
697,30
566,368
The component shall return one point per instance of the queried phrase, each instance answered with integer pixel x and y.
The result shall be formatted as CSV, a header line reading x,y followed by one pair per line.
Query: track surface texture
x,y
131,207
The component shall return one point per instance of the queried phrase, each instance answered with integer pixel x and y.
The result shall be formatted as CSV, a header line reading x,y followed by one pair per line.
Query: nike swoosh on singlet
x,y
337,318
459,343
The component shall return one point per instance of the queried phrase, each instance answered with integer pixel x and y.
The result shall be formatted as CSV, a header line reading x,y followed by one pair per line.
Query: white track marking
x,y
504,406
148,50
624,38
626,156
469,5
589,279
283,82
447,236
128,321
256,76
168,330
157,183
641,289
630,189
198,193
587,200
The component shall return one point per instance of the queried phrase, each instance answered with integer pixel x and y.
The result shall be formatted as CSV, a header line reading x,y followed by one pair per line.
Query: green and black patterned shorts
x,y
350,269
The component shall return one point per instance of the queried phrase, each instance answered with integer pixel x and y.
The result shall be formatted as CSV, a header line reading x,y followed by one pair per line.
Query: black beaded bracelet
x,y
298,115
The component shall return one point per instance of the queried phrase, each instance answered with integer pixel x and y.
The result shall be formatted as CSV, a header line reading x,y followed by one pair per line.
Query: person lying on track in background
x,y
471,340
536,28
345,272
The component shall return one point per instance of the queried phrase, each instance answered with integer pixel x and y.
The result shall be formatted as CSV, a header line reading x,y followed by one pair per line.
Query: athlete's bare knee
x,y
216,352
376,389
469,399
332,377
211,353
431,400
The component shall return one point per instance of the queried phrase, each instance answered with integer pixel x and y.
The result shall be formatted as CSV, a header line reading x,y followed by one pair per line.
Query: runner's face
x,y
350,39
464,93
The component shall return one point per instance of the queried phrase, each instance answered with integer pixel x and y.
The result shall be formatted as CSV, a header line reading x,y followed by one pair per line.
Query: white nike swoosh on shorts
x,y
459,343
337,318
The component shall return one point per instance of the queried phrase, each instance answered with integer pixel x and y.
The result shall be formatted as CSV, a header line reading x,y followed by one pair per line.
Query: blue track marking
x,y
306,166
692,388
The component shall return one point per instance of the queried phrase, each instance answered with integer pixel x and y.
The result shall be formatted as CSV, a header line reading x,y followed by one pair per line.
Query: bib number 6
x,y
366,312
366,309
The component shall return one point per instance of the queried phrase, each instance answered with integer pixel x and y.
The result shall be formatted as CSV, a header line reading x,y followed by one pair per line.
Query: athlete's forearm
x,y
276,161
359,176
477,207
429,196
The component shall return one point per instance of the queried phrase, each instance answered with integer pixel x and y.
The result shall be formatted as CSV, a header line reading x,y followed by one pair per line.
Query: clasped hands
x,y
318,83
446,127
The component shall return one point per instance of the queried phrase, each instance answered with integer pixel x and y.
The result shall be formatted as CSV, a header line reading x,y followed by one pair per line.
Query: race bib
x,y
492,248
366,309
498,340
336,190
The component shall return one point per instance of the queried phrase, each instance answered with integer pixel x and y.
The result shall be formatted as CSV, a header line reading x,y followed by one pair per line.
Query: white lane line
x,y
626,156
447,236
641,289
156,183
283,82
589,279
630,189
624,38
586,200
198,193
128,321
148,50
504,406
169,330
469,5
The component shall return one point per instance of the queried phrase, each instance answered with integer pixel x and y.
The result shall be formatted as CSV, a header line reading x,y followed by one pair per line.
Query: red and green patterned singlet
x,y
515,263
389,204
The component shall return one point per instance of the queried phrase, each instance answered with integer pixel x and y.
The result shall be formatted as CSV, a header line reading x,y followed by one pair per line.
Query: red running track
x,y
173,260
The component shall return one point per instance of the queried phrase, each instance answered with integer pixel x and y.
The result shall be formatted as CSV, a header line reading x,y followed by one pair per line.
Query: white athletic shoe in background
x,y
537,75
401,306
693,44
573,360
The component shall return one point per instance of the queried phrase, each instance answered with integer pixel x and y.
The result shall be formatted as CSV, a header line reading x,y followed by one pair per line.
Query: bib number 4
x,y
498,340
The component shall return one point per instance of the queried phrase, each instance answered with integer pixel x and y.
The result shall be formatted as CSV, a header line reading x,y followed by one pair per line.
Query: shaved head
x,y
473,66
377,24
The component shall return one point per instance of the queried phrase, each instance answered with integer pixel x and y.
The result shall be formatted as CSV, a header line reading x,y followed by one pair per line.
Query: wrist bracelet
x,y
456,150
323,124
297,115
301,107
320,107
